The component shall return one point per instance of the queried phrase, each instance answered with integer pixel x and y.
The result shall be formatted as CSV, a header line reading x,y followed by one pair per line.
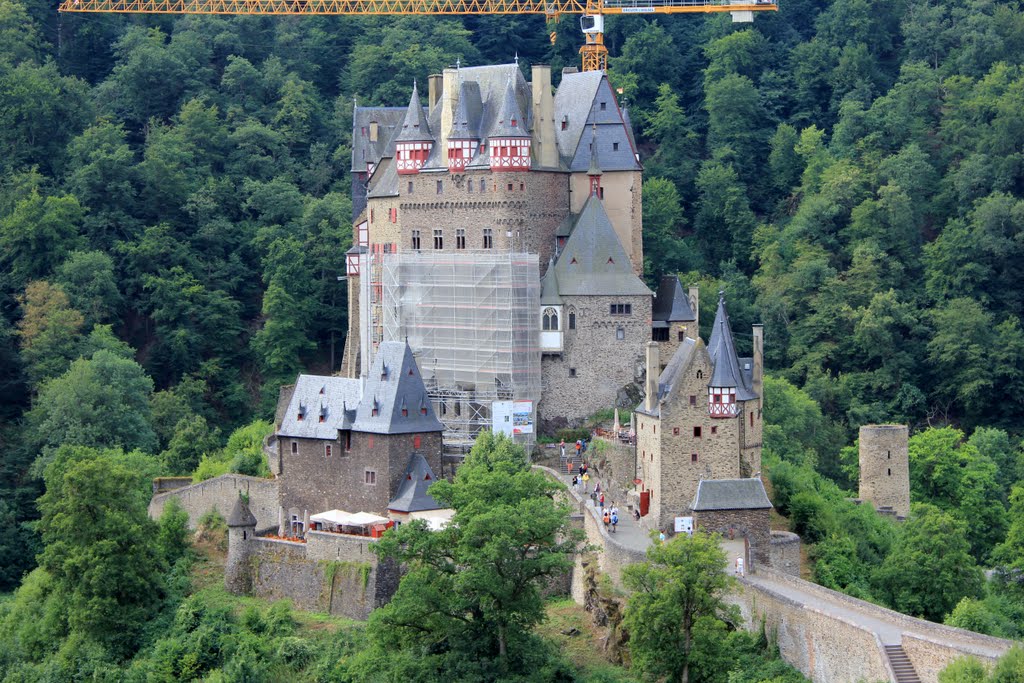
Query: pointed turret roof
x,y
394,380
467,113
549,288
241,515
595,167
671,304
722,348
412,493
593,262
508,113
415,127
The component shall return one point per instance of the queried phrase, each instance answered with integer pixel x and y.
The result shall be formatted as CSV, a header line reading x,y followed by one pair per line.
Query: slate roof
x,y
394,385
549,288
578,103
467,113
384,181
671,304
730,494
415,127
508,114
673,370
412,493
389,122
333,397
241,515
727,372
593,262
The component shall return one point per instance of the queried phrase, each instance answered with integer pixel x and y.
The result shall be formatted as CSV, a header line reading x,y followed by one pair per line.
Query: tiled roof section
x,y
394,398
412,493
593,262
549,288
320,406
671,303
241,515
466,121
415,127
509,122
384,181
730,494
492,82
389,122
722,348
573,99
578,104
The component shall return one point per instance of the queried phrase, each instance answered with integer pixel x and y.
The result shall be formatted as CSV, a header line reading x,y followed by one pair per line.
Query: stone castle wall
x,y
623,203
594,364
752,525
785,553
333,573
885,467
220,494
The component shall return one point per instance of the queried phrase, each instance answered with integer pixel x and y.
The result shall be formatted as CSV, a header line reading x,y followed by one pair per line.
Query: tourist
x,y
602,501
661,537
562,447
575,483
615,521
636,514
586,482
607,519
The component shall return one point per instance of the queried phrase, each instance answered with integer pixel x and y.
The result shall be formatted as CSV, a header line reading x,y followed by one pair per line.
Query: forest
x,y
175,204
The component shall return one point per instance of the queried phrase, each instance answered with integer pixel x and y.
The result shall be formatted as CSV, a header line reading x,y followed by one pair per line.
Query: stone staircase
x,y
901,665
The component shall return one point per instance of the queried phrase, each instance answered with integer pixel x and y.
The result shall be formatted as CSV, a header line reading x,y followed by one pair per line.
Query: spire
x,y
722,349
549,287
240,515
415,126
510,123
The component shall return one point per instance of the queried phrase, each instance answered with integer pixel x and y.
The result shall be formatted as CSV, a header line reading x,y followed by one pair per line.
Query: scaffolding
x,y
471,319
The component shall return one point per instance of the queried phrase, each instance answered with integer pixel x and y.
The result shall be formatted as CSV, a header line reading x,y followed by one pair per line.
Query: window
x,y
405,412
675,431
696,432
659,334
483,185
417,441
440,187
751,419
374,412
423,410
615,147
565,122
604,106
369,441
348,441
370,477
700,374
572,321
693,400
889,470
620,333
328,450
416,240
572,372
469,185
295,447
654,428
621,309
888,455
510,187
693,457
410,188
488,236
460,238
438,239
714,430
522,187
682,335
393,215
550,321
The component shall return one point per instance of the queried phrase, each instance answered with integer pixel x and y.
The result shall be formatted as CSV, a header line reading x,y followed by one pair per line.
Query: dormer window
x,y
374,412
423,410
515,124
302,413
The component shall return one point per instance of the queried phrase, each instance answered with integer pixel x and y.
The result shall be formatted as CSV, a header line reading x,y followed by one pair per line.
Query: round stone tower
x,y
241,531
885,468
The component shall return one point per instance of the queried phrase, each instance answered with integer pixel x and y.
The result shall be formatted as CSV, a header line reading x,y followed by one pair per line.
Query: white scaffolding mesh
x,y
471,319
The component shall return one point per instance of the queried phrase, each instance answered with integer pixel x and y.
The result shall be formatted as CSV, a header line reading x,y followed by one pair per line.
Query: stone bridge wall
x,y
220,494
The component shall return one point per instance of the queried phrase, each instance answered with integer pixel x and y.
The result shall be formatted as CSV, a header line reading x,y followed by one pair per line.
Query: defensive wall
x,y
785,552
333,573
220,494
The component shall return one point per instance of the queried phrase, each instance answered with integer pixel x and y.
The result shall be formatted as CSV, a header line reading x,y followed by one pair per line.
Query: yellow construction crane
x,y
593,52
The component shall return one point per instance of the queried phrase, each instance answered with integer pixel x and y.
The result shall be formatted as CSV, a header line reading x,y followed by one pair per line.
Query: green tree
x,y
89,281
100,546
930,568
466,608
675,616
49,330
38,235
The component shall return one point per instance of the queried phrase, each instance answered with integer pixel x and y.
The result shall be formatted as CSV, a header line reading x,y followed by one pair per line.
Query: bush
x,y
810,516
571,436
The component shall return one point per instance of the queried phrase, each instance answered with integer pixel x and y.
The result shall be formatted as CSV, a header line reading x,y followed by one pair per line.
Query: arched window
x,y
572,320
550,321
700,374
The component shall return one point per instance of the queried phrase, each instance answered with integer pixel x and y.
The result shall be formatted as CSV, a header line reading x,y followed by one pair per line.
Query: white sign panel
x,y
501,417
684,525
522,417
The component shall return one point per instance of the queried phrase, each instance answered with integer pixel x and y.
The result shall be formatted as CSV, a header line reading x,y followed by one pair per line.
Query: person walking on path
x,y
579,446
586,482
575,483
615,520
602,501
561,446
607,519
661,536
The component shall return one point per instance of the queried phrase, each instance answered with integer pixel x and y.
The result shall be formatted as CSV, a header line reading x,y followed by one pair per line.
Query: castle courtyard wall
x,y
752,525
220,494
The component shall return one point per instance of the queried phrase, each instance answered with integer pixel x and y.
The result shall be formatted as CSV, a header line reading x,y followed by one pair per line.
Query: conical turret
x,y
508,140
463,141
414,141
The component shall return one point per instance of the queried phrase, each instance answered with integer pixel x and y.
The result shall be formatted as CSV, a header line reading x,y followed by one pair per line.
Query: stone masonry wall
x,y
624,205
753,525
930,656
602,363
824,647
885,467
785,552
220,494
334,573
313,482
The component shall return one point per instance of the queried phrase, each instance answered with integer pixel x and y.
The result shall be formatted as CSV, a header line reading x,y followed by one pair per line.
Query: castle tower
x,y
241,531
463,142
885,468
508,144
414,142
726,377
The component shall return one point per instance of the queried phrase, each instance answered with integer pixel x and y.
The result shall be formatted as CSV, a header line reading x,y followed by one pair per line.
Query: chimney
x,y
544,150
374,131
434,85
653,370
695,305
758,375
449,94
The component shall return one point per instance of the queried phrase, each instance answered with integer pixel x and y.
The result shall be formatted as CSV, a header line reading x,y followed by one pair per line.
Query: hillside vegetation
x,y
175,205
